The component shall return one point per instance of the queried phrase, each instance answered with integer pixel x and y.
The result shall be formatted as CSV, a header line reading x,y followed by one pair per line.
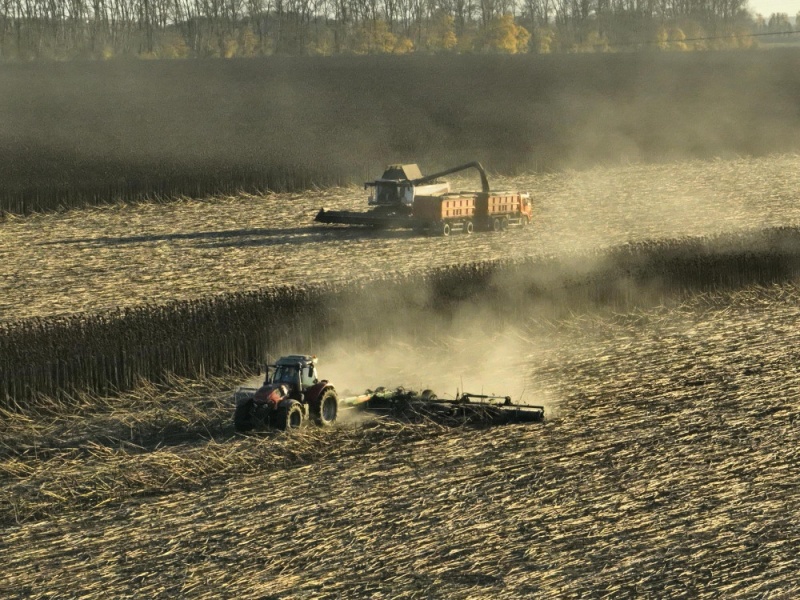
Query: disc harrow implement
x,y
465,409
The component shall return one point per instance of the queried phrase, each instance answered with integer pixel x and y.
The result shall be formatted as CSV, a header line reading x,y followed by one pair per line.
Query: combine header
x,y
403,198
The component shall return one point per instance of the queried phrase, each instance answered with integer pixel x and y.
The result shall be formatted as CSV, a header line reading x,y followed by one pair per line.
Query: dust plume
x,y
470,345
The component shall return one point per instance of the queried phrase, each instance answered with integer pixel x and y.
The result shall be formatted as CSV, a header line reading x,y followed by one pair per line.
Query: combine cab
x,y
395,191
403,198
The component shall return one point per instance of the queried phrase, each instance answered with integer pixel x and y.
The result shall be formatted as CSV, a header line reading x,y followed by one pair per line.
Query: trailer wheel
x,y
469,227
289,416
243,416
325,410
497,225
446,229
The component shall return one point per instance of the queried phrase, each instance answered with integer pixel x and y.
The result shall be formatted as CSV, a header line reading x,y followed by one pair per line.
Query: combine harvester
x,y
292,394
403,198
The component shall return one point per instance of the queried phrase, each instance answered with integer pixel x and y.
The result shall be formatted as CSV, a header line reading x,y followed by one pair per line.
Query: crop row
x,y
123,131
112,350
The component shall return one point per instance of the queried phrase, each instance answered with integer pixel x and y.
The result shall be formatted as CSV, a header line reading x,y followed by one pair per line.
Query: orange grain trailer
x,y
471,211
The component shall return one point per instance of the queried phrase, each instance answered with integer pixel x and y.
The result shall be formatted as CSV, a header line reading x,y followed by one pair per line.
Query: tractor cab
x,y
295,371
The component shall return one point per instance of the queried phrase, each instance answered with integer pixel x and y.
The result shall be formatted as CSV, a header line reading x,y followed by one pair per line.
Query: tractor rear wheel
x,y
243,416
325,410
289,416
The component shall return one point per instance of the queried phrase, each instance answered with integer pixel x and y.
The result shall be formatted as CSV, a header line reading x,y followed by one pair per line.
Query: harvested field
x,y
126,255
669,467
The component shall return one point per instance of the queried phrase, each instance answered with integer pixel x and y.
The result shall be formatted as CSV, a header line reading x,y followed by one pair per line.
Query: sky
x,y
767,7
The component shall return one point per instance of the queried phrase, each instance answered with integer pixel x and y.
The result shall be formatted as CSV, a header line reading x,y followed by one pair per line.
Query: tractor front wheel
x,y
289,416
325,410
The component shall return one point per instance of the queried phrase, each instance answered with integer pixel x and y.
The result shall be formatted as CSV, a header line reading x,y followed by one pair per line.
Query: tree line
x,y
63,29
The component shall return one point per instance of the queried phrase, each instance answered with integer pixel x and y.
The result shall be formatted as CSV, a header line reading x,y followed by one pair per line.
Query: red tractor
x,y
291,394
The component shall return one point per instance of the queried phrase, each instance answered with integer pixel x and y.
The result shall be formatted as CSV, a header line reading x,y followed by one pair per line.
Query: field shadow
x,y
241,238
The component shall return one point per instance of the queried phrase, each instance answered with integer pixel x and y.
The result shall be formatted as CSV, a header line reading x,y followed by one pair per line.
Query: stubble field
x,y
668,467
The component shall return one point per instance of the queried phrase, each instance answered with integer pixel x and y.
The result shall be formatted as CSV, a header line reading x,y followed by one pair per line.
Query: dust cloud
x,y
471,346
475,363
449,360
488,332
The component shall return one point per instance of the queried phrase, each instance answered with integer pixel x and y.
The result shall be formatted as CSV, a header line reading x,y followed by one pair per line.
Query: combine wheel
x,y
468,227
243,416
446,229
324,411
289,416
